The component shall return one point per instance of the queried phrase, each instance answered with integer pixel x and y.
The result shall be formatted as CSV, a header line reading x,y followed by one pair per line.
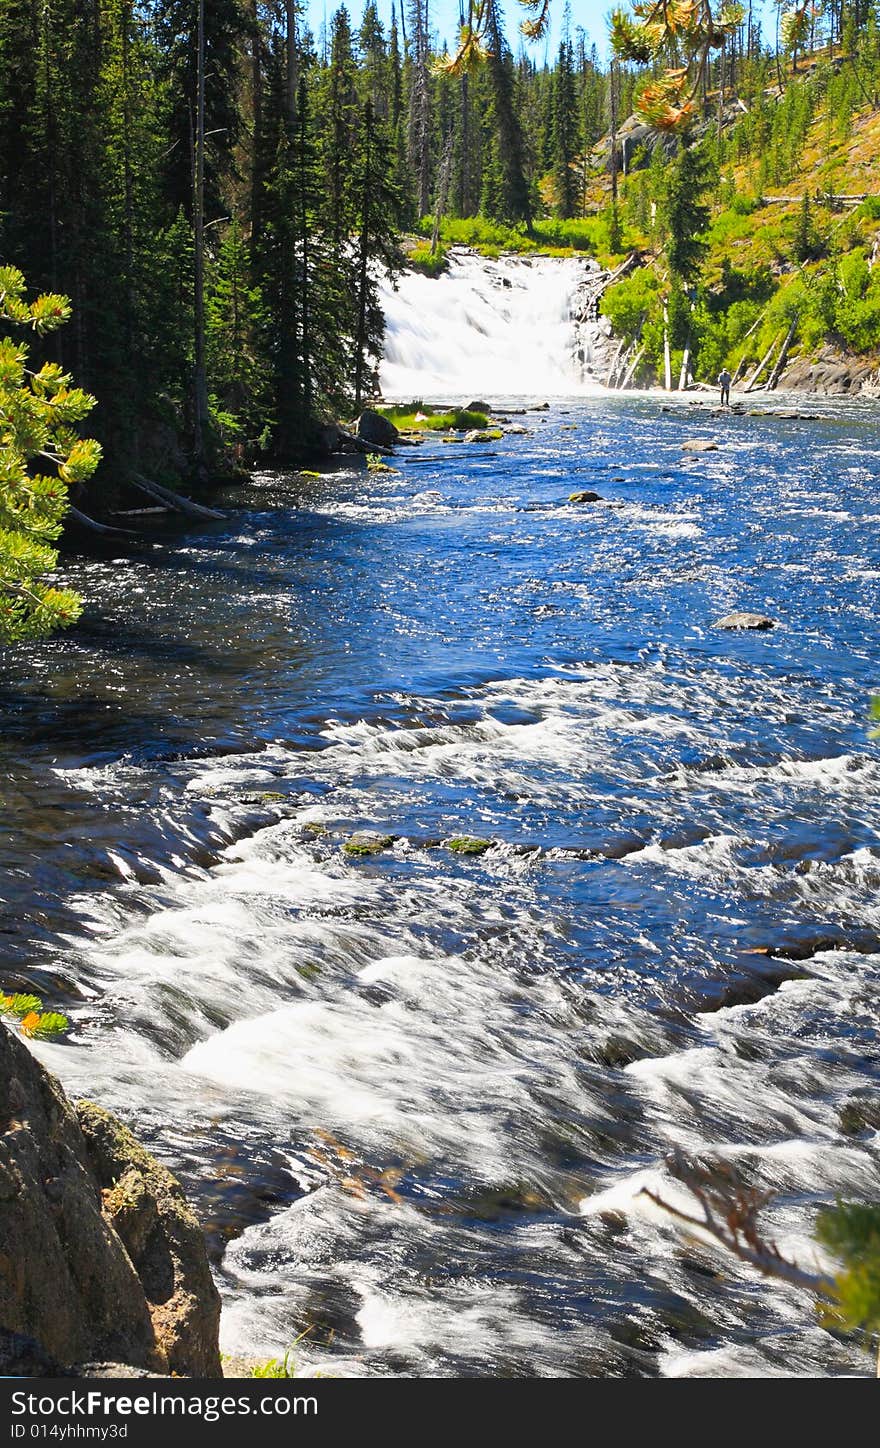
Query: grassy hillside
x,y
788,245
788,249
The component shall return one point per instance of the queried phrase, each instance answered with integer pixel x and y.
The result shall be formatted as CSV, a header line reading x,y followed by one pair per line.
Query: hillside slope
x,y
790,273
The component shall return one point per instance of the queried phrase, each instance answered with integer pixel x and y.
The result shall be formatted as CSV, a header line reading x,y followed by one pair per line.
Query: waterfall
x,y
506,327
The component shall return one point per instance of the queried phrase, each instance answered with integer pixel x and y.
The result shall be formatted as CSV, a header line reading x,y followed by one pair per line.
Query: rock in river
x,y
745,620
367,842
373,427
699,444
585,496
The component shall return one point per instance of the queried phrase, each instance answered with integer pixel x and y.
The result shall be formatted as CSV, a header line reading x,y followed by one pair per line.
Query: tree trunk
x,y
783,354
200,378
667,359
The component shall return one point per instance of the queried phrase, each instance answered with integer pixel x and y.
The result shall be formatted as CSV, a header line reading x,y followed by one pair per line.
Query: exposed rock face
x,y
147,1208
124,1279
373,427
834,373
24,1357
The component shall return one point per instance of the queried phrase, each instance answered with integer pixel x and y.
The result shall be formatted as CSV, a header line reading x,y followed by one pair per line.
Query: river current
x,y
416,1096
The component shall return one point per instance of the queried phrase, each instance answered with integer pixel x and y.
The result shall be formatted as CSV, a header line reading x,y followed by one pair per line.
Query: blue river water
x,y
416,1096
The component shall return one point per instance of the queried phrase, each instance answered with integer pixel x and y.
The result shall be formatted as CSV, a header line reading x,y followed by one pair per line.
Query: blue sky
x,y
444,18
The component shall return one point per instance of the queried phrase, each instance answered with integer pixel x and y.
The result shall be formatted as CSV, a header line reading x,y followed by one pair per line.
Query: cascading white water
x,y
506,327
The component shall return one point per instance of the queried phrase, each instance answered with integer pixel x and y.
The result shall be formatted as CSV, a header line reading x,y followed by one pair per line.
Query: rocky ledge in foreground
x,y
101,1258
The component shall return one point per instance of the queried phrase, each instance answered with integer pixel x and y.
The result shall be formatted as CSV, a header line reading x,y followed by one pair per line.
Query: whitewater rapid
x,y
415,1097
505,327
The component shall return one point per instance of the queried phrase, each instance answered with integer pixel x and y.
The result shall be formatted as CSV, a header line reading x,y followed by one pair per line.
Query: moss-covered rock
x,y
468,845
367,842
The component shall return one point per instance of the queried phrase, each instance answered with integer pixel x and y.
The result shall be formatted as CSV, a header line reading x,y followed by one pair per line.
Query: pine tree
x,y
420,104
377,249
515,203
40,412
565,130
686,215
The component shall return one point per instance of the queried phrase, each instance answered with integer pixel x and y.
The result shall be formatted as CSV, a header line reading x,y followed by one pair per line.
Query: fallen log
x,y
631,370
612,370
94,526
180,504
750,385
364,447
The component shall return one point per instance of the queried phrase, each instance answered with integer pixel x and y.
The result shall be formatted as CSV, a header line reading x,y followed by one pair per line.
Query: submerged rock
x,y
745,620
367,842
101,1259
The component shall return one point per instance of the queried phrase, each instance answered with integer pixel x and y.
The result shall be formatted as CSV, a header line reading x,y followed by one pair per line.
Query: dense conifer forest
x,y
217,190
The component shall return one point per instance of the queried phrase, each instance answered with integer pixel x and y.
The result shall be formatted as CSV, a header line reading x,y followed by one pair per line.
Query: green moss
x,y
365,842
468,845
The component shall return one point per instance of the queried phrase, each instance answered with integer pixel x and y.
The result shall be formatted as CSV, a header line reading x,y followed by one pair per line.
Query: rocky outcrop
x,y
374,428
834,373
146,1207
101,1259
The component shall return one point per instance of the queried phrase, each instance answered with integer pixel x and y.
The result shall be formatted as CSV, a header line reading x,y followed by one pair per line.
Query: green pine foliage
x,y
41,457
26,1011
851,1231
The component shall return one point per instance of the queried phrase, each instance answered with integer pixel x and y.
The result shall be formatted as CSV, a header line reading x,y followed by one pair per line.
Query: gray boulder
x,y
745,620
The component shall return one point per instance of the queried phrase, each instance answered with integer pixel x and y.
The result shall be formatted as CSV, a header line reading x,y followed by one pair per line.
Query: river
x,y
416,1096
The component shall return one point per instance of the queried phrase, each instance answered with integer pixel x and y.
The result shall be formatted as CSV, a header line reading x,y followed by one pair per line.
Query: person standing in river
x,y
724,381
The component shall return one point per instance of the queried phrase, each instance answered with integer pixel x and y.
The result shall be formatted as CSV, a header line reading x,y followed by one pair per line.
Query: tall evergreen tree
x,y
565,130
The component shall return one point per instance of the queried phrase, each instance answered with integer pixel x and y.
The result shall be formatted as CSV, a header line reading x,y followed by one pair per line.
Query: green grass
x,y
550,236
404,415
429,263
